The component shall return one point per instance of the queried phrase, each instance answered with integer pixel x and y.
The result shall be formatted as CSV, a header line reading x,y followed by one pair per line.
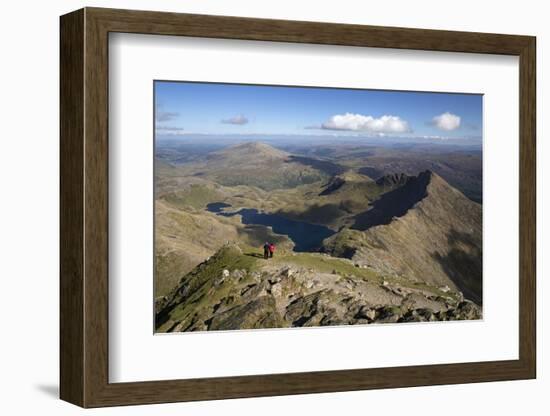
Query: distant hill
x,y
424,229
258,164
248,152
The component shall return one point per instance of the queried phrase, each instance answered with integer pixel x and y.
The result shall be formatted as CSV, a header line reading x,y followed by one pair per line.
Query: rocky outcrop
x,y
395,203
333,185
238,290
393,179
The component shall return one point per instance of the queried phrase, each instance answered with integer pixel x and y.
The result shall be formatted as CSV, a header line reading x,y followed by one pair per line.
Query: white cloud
x,y
360,122
237,120
169,131
446,121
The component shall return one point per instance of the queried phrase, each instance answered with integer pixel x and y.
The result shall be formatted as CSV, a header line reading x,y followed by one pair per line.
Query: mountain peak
x,y
253,163
256,148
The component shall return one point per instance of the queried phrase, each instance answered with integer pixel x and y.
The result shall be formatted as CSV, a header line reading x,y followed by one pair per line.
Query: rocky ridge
x,y
425,230
237,290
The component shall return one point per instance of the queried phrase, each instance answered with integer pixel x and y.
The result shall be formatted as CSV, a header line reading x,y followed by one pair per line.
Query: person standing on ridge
x,y
271,249
266,250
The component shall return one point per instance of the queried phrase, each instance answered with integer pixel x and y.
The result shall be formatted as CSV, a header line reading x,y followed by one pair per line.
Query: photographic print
x,y
288,206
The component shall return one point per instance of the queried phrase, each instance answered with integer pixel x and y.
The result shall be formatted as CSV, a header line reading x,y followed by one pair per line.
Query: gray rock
x,y
469,310
389,314
238,274
366,312
275,279
276,290
259,313
287,272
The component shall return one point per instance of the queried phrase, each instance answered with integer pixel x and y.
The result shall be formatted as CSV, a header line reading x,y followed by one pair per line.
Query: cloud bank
x,y
446,121
237,120
364,123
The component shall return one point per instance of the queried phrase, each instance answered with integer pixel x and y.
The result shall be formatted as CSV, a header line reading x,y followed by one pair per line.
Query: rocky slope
x,y
236,289
423,229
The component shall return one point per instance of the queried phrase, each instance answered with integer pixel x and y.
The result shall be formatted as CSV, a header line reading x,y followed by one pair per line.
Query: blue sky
x,y
207,108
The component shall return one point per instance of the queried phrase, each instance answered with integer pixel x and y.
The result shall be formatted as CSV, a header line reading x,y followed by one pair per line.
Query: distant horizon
x,y
187,109
275,139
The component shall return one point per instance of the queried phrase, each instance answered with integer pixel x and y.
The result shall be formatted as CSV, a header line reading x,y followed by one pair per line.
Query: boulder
x,y
389,314
469,310
259,313
238,274
288,272
366,312
276,290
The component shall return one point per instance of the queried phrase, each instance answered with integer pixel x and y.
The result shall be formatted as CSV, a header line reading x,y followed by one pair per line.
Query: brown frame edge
x,y
84,207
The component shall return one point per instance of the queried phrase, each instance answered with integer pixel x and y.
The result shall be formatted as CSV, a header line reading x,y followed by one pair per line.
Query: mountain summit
x,y
243,151
260,165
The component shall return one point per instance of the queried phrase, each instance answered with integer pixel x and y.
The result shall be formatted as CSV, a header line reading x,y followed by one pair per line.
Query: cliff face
x,y
425,230
237,289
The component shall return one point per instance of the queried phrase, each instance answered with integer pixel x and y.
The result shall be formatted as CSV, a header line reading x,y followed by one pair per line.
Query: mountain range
x,y
401,247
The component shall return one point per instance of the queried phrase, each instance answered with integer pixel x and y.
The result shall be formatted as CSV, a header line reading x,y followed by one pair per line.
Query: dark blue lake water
x,y
306,236
217,207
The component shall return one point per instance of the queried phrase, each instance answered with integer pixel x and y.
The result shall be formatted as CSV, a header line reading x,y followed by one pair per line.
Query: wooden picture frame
x,y
84,207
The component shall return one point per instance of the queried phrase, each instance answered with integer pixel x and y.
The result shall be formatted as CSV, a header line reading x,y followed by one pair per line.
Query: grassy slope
x,y
182,240
201,284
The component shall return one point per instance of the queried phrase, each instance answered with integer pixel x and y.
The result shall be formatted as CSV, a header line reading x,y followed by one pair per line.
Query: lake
x,y
306,236
217,207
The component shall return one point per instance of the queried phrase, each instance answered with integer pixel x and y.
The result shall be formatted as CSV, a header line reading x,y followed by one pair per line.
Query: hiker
x,y
266,250
271,249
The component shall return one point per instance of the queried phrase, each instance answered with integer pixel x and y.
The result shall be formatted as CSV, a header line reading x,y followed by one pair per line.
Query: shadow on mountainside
x,y
463,265
256,255
371,172
395,203
325,166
